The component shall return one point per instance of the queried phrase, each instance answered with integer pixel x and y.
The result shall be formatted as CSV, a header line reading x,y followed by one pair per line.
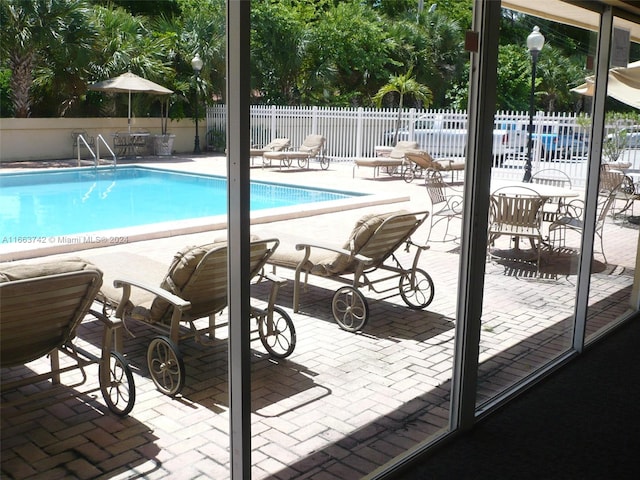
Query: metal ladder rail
x,y
81,138
100,138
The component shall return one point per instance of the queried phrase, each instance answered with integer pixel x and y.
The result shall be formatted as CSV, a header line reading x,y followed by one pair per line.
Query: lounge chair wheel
x,y
117,387
166,365
279,335
324,163
416,289
303,162
408,175
350,309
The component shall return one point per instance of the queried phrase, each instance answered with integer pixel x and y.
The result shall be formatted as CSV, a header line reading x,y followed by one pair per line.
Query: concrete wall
x,y
50,138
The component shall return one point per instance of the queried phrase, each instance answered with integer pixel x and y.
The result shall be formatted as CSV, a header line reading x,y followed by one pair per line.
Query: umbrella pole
x,y
129,113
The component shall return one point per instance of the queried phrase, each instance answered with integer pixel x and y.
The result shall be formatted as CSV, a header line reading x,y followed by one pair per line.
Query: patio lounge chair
x,y
312,147
418,161
41,306
392,163
193,292
275,145
373,240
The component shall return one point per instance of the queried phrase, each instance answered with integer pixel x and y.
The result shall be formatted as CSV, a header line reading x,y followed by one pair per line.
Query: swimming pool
x,y
65,202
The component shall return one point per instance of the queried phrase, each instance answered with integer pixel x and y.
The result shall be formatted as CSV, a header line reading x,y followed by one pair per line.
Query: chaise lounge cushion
x,y
11,271
182,267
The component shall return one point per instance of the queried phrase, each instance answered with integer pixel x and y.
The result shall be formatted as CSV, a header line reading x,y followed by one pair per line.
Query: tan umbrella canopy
x,y
623,84
127,83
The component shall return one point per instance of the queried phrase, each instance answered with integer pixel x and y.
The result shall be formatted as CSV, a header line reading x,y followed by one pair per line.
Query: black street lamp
x,y
535,42
196,64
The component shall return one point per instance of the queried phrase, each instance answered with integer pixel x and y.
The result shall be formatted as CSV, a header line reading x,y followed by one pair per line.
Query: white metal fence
x,y
560,140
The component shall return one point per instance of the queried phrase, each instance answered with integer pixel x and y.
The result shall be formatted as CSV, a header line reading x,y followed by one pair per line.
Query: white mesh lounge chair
x,y
370,248
41,306
312,147
191,293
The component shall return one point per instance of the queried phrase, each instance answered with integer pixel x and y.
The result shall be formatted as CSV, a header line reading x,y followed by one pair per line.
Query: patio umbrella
x,y
623,84
128,83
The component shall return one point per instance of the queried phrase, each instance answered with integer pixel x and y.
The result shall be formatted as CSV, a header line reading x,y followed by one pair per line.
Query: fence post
x,y
359,128
273,122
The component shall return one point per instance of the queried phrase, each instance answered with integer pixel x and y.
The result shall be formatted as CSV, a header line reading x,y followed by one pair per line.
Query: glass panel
x,y
530,283
346,402
616,236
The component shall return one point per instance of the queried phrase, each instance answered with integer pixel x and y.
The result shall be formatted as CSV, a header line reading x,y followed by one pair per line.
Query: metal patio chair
x,y
446,203
516,212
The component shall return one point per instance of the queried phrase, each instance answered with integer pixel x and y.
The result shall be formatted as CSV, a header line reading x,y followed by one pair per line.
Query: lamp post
x,y
535,42
196,64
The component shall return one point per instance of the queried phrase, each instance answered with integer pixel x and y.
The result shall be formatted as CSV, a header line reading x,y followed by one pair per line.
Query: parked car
x,y
557,140
446,136
628,137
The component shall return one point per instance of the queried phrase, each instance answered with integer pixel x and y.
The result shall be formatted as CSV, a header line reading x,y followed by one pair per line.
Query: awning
x,y
570,14
623,85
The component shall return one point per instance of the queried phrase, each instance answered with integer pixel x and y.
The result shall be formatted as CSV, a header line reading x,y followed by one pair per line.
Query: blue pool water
x,y
71,201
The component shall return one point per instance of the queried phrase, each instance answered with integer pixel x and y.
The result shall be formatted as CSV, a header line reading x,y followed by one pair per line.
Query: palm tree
x,y
30,29
404,85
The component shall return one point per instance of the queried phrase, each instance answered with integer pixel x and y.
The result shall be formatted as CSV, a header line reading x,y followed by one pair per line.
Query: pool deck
x,y
343,403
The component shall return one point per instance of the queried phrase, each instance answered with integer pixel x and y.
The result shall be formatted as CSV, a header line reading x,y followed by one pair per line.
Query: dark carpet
x,y
583,422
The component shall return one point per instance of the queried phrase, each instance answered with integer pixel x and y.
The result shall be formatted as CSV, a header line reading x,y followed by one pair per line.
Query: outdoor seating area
x,y
333,373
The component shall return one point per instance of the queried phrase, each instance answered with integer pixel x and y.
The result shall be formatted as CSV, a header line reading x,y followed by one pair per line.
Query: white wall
x,y
50,138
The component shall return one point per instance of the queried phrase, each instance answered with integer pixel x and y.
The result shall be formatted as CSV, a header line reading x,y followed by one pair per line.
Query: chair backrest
x,y
436,187
312,144
610,180
395,229
87,138
277,144
199,275
605,202
41,306
551,176
401,147
516,209
423,159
